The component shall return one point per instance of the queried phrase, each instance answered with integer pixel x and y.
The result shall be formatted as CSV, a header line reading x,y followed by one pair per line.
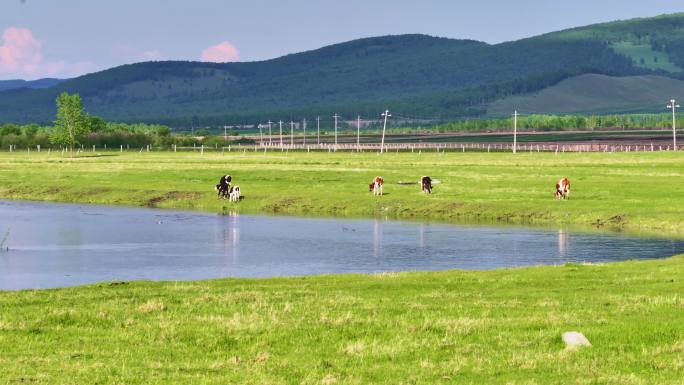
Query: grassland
x,y
594,94
486,327
636,192
489,327
645,56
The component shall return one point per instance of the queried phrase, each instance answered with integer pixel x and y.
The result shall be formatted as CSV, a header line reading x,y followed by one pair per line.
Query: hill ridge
x,y
414,73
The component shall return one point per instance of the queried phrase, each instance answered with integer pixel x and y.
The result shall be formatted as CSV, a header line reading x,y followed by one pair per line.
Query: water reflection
x,y
563,241
377,238
227,240
61,245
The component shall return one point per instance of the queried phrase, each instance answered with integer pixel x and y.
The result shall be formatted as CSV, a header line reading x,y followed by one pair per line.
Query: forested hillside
x,y
413,74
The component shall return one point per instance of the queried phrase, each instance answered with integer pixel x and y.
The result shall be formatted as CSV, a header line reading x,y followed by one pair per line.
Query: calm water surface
x,y
56,245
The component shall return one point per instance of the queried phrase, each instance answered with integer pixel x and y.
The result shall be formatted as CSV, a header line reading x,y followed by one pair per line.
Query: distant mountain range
x,y
33,84
414,75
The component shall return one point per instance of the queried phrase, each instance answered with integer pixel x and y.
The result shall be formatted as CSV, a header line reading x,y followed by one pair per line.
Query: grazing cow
x,y
563,189
223,187
235,194
426,184
376,185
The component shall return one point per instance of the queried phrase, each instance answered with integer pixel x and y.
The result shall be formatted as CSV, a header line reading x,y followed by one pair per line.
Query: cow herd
x,y
562,186
232,193
376,185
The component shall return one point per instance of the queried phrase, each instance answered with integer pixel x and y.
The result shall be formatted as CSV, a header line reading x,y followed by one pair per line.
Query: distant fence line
x,y
375,147
479,147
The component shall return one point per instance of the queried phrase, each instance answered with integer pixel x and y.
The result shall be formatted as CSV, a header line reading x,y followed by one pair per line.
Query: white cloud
x,y
20,52
221,53
21,55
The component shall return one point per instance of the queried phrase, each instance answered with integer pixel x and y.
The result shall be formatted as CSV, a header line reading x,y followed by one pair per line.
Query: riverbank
x,y
493,327
632,192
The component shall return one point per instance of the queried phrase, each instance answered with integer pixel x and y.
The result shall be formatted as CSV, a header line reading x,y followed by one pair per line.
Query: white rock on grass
x,y
575,339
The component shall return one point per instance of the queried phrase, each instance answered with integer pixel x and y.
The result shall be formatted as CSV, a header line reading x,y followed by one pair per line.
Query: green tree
x,y
71,123
30,130
9,129
95,123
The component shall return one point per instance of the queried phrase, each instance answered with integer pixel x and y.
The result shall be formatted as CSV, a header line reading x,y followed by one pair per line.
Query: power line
x,y
385,115
673,105
281,133
515,131
304,126
336,116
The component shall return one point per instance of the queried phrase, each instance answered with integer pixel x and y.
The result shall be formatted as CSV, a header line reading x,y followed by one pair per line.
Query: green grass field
x,y
635,192
488,327
477,327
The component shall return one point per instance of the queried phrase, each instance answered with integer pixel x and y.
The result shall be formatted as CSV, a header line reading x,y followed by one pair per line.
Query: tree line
x,y
73,128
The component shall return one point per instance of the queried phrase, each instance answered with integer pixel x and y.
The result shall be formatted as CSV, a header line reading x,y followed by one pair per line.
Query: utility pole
x,y
304,126
281,133
336,116
358,132
261,135
673,105
515,131
386,115
291,134
225,133
318,128
269,132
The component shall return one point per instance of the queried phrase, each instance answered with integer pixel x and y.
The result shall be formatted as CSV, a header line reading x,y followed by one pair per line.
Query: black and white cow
x,y
223,187
235,194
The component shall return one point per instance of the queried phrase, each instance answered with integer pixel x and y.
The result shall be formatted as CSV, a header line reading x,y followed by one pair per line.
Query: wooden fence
x,y
463,147
389,147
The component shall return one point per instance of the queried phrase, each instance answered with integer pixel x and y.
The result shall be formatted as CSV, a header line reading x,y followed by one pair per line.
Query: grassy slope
x,y
628,191
595,94
491,327
655,60
415,74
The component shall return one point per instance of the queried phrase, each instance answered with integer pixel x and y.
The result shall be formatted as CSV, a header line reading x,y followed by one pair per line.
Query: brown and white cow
x,y
426,184
376,185
563,189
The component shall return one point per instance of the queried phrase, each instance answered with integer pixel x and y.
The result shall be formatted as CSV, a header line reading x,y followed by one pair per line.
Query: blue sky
x,y
65,38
